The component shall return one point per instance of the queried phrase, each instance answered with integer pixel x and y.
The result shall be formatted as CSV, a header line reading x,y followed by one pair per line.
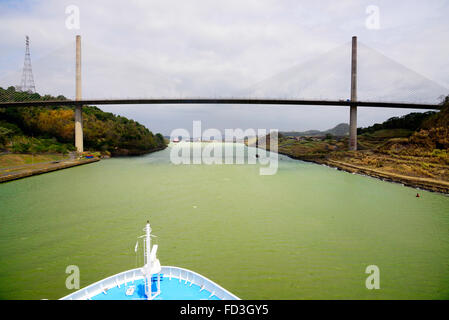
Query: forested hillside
x,y
51,129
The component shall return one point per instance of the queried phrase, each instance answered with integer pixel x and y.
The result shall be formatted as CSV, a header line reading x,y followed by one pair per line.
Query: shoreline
x,y
414,182
427,184
41,168
24,173
135,154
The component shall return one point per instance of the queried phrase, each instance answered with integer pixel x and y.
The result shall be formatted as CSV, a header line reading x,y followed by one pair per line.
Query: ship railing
x,y
101,286
128,277
188,276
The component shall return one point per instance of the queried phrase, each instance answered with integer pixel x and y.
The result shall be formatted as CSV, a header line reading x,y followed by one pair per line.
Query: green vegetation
x,y
411,121
24,144
19,161
51,129
415,146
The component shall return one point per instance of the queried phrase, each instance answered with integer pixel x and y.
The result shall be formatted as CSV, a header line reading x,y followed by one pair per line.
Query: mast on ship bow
x,y
151,264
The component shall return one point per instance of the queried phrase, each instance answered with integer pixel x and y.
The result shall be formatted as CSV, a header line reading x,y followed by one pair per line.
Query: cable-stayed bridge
x,y
335,78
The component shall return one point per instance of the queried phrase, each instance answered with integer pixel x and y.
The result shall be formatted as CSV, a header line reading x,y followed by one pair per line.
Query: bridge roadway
x,y
289,102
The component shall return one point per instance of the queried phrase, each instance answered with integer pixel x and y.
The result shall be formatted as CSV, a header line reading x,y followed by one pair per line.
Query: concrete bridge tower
x,y
78,109
353,108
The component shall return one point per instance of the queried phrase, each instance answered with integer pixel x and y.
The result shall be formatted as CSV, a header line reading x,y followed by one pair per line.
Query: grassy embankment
x,y
14,160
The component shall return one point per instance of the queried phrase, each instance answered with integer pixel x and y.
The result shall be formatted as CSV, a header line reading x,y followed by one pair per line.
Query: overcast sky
x,y
270,48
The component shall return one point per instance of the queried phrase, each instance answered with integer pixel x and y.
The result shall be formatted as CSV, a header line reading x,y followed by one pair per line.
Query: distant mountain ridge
x,y
341,129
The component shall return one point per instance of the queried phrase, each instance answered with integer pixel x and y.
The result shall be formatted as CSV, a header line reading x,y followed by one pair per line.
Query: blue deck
x,y
170,290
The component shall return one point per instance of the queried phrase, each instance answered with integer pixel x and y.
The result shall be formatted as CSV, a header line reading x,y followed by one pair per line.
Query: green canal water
x,y
307,232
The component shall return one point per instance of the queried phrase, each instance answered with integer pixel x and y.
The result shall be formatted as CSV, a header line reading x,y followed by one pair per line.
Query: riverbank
x,y
132,153
10,160
27,170
426,173
379,157
424,183
16,166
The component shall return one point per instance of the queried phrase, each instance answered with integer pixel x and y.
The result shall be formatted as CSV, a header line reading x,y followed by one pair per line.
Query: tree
x,y
4,135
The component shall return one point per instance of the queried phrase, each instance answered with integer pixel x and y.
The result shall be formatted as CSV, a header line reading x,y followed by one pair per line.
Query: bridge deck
x,y
222,101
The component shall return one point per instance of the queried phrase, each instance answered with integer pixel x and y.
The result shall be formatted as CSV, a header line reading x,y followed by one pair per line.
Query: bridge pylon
x,y
78,109
353,108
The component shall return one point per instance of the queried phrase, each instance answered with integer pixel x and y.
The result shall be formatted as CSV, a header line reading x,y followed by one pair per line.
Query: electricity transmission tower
x,y
27,83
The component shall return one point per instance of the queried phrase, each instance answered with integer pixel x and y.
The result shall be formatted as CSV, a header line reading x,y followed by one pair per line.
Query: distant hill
x,y
341,129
